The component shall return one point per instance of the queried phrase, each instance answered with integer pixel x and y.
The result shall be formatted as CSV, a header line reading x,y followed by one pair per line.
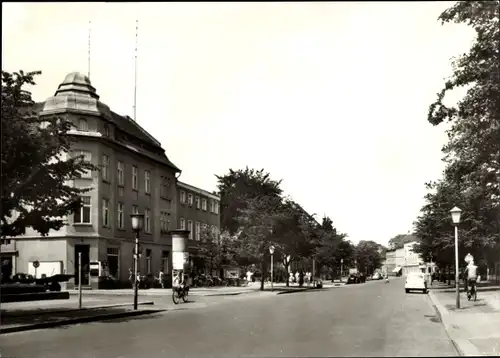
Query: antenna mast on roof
x,y
88,69
135,68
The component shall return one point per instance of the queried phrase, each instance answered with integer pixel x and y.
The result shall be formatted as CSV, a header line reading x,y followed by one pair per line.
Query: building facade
x,y
198,211
403,260
134,176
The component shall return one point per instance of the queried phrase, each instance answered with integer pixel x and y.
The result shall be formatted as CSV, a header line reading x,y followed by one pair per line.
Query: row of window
x,y
83,216
197,233
113,261
164,181
200,203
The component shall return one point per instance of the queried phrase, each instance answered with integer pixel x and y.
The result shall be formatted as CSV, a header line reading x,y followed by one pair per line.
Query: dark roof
x,y
133,133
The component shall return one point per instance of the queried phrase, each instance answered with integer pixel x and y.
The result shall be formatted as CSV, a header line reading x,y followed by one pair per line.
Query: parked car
x,y
416,281
353,278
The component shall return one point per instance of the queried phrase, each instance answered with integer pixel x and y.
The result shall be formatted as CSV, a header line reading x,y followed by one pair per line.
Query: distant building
x,y
197,211
412,260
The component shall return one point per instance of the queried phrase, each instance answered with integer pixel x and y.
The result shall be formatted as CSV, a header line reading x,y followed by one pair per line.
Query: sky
x,y
330,97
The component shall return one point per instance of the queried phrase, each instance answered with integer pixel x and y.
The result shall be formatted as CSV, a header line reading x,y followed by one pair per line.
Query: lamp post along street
x,y
136,269
79,280
137,223
341,268
271,251
455,217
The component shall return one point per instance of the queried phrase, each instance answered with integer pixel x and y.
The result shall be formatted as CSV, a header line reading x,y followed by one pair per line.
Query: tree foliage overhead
x,y
35,167
237,187
368,257
471,179
398,241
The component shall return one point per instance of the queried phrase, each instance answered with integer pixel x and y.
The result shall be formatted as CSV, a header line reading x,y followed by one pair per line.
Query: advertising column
x,y
180,254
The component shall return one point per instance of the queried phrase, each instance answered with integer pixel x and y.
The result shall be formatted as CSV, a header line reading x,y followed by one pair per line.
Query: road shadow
x,y
30,317
452,307
433,318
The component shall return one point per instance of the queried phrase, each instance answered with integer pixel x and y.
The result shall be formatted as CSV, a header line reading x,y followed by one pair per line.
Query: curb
x,y
463,346
76,320
149,303
462,290
294,291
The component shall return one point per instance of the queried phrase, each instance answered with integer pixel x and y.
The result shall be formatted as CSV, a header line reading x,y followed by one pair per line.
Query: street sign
x,y
36,264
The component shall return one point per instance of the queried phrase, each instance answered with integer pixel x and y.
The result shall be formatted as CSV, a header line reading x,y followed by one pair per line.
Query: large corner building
x,y
135,176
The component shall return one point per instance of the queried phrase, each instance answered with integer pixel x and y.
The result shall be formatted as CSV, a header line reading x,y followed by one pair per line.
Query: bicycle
x,y
178,293
472,292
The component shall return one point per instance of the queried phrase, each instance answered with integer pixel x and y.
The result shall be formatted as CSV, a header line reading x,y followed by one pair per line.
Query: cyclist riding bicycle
x,y
471,271
180,281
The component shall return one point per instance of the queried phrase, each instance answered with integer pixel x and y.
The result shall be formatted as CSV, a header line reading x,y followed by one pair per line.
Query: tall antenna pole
x,y
135,74
88,73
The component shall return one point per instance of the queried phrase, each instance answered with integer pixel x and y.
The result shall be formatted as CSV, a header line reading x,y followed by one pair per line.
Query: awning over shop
x,y
397,269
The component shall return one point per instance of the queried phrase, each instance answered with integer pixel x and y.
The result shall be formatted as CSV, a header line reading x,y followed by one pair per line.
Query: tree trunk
x,y
449,275
263,277
287,275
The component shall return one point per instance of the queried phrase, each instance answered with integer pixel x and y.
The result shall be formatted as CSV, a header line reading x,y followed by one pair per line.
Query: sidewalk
x,y
22,316
475,327
201,291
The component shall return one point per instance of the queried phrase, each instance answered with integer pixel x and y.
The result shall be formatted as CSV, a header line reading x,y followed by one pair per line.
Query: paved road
x,y
372,319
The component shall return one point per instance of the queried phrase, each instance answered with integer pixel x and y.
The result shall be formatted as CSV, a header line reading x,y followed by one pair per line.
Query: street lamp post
x,y
271,251
137,225
455,217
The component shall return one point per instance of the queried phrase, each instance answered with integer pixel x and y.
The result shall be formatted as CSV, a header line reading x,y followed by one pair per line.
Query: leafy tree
x,y
472,176
35,169
398,241
294,233
333,247
238,187
368,257
256,224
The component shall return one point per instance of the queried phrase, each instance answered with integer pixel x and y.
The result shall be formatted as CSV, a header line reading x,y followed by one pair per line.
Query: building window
x,y
135,209
105,167
163,187
197,202
147,181
121,169
198,231
164,262
86,156
82,216
112,256
106,130
212,206
204,204
119,210
216,207
148,260
105,212
190,228
183,197
168,204
135,173
147,221
83,125
182,224
163,222
190,199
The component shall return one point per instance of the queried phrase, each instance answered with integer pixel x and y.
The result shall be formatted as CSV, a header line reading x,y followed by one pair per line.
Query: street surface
x,y
371,319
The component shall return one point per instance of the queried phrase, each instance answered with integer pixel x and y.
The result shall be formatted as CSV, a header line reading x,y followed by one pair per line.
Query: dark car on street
x,y
353,278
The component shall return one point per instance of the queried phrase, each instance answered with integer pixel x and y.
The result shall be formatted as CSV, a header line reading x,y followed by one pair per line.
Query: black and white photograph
x,y
250,179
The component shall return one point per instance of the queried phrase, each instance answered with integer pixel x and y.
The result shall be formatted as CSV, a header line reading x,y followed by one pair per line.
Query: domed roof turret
x,y
76,94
